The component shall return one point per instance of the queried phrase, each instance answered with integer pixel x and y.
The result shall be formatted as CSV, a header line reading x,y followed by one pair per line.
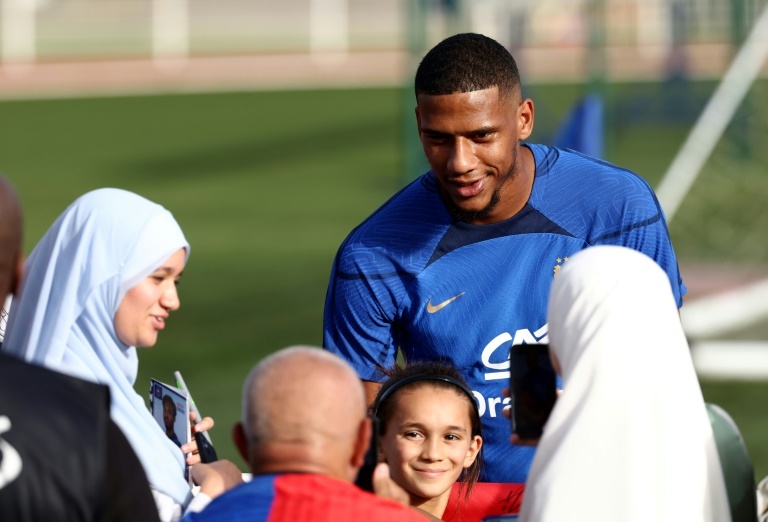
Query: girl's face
x,y
146,306
429,442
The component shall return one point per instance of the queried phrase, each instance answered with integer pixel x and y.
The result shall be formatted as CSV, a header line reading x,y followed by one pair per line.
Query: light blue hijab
x,y
75,279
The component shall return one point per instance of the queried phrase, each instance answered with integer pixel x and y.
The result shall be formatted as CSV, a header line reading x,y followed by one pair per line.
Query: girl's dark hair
x,y
438,375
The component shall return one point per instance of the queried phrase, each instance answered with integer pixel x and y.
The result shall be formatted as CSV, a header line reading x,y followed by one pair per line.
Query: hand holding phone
x,y
205,448
533,389
204,445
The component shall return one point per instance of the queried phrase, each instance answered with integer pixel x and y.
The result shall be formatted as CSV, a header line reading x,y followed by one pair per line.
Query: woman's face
x,y
429,442
146,306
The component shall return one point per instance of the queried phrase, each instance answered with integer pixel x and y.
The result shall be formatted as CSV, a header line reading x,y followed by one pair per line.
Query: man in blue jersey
x,y
457,266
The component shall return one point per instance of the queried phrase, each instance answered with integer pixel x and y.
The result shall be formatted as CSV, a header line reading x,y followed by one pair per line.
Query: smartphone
x,y
205,449
204,444
533,389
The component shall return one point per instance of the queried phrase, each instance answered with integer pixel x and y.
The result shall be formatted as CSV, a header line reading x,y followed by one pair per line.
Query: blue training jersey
x,y
412,277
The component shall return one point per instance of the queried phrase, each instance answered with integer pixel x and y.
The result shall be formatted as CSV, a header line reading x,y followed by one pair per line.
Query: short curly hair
x,y
467,62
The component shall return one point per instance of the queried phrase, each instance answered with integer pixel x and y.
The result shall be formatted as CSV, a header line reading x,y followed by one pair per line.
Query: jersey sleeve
x,y
651,237
359,319
605,205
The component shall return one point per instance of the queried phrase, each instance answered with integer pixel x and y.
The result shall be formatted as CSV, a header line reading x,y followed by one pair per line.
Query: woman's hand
x,y
190,448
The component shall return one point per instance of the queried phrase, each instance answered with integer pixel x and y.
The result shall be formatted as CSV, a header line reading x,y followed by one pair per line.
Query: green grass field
x,y
265,185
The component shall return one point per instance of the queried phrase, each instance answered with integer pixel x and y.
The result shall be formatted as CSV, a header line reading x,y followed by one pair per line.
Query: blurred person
x,y
169,419
458,265
762,500
11,257
61,457
629,437
429,433
304,434
101,282
738,471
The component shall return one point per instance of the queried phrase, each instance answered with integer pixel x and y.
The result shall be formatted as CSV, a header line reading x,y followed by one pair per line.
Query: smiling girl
x,y
429,433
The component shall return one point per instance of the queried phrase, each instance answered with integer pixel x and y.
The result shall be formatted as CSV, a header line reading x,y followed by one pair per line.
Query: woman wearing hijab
x,y
629,438
101,282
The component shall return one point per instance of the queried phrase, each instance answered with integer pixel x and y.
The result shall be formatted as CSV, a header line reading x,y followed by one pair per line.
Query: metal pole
x,y
414,162
329,29
170,34
715,118
18,34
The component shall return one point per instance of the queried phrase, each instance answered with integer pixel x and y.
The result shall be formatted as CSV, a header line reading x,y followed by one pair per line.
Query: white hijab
x,y
75,279
629,438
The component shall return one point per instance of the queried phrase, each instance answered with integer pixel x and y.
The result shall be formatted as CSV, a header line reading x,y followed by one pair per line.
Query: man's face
x,y
169,415
471,141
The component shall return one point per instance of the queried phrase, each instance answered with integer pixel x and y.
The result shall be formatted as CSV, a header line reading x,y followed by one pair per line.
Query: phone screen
x,y
533,389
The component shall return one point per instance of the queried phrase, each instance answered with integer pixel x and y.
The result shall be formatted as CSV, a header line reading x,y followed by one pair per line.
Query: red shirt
x,y
487,498
302,497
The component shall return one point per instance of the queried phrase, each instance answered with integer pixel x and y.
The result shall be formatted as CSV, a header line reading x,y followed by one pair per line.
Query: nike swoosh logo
x,y
436,308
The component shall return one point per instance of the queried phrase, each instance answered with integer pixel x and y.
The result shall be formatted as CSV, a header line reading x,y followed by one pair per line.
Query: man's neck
x,y
294,458
516,193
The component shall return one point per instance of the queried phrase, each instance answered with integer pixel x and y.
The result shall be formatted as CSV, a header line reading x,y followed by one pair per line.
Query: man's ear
x,y
362,442
241,441
525,119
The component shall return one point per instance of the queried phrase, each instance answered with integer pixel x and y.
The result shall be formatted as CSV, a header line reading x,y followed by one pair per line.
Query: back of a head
x,y
607,295
629,436
467,62
305,401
